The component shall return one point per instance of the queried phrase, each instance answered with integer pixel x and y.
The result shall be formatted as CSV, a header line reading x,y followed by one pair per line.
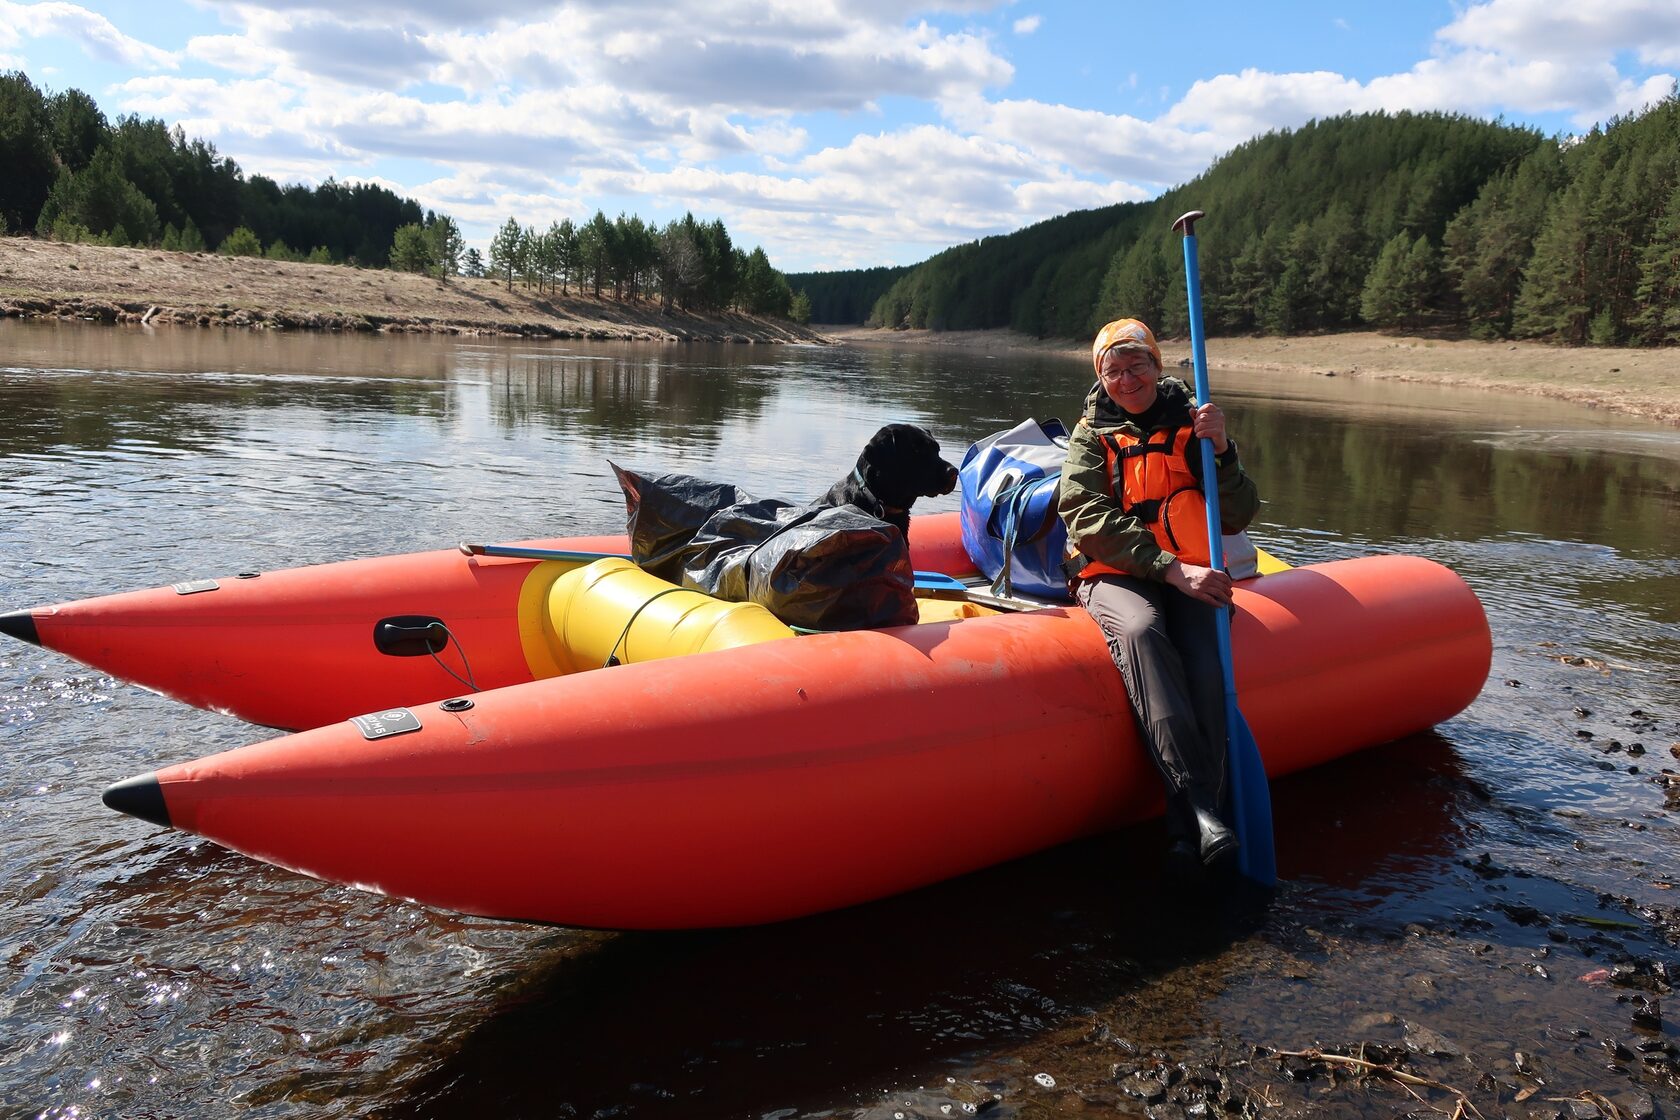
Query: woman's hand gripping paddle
x,y
1251,797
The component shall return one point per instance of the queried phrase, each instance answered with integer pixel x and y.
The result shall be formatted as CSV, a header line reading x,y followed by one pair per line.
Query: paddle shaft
x,y
1250,799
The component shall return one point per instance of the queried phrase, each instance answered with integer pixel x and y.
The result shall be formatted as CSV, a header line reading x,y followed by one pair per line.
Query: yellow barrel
x,y
613,608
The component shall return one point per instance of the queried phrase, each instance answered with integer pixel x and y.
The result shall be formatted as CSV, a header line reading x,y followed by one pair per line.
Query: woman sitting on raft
x,y
1138,550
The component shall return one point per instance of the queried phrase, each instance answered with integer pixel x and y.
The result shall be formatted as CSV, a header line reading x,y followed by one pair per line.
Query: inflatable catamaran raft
x,y
638,758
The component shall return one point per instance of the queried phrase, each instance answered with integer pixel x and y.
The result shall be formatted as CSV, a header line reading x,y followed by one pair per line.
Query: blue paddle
x,y
1251,797
934,580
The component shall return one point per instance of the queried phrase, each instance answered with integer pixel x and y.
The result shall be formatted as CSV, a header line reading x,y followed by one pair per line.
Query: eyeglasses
x,y
1140,369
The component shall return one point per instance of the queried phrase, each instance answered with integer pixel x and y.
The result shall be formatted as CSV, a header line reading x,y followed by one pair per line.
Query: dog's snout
x,y
950,481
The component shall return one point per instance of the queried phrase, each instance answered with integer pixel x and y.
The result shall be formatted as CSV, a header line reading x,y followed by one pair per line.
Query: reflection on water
x,y
152,975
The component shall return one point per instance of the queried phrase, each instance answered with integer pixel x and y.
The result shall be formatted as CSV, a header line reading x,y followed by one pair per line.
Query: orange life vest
x,y
1151,476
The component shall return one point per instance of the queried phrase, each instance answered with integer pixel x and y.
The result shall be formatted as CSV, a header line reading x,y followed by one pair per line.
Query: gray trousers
x,y
1167,651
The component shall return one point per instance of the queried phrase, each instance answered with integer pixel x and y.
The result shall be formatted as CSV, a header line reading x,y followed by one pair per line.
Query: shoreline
x,y
1636,382
55,280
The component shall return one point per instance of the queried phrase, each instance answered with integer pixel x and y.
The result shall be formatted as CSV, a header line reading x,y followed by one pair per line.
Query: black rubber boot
x,y
1214,840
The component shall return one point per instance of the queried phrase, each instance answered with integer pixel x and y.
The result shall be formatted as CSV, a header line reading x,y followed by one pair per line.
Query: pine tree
x,y
411,249
1289,305
242,242
504,251
29,163
444,245
565,252
1553,299
1340,261
1384,301
1658,320
100,199
79,129
1136,285
680,265
527,257
192,241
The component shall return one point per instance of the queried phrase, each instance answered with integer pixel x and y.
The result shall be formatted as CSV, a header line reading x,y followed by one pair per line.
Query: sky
x,y
834,133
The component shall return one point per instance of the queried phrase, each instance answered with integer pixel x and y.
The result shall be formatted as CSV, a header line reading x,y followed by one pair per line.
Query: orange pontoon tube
x,y
782,778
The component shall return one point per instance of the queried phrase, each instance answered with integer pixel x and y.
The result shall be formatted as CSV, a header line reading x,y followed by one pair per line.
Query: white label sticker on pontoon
x,y
193,587
395,721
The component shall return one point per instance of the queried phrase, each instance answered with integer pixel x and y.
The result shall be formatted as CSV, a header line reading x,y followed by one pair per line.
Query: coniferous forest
x,y
1416,220
72,175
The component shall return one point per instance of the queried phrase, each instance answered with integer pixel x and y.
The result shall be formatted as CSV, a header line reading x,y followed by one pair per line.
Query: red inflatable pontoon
x,y
779,779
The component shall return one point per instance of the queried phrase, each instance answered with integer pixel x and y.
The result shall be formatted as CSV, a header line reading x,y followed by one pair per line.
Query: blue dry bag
x,y
1009,523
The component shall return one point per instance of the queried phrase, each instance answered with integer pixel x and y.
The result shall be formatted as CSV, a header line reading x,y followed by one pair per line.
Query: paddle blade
x,y
939,580
1251,802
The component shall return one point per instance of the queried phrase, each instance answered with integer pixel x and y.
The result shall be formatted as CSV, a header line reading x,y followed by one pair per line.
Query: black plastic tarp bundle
x,y
818,567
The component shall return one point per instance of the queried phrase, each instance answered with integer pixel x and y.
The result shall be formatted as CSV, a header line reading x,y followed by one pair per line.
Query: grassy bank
x,y
51,279
1638,382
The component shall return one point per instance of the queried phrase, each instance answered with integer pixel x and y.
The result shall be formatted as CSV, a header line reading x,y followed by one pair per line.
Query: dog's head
x,y
901,463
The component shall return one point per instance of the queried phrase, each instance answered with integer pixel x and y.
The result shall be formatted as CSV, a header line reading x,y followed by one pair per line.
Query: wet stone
x,y
1520,913
1635,1104
1299,1069
1383,1054
1424,1040
1144,1087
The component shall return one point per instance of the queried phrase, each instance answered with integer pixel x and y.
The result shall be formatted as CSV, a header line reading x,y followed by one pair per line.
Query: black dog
x,y
899,464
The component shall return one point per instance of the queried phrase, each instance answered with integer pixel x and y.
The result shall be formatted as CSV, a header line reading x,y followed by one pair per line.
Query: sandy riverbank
x,y
1639,382
53,280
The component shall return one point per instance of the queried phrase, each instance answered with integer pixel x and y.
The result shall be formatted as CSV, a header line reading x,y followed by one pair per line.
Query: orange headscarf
x,y
1129,334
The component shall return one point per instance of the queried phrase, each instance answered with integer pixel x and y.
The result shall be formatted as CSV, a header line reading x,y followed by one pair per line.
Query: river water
x,y
1492,902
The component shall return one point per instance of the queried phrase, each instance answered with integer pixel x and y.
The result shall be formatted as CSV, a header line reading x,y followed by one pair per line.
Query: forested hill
x,y
70,173
845,297
1410,219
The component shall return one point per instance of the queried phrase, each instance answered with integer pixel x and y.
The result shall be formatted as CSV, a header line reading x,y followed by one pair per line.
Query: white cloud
x,y
1527,55
260,109
1159,153
775,57
550,109
1539,29
1252,102
237,53
95,34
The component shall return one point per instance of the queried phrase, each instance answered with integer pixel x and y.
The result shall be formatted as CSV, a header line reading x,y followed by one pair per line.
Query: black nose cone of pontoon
x,y
139,797
20,625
